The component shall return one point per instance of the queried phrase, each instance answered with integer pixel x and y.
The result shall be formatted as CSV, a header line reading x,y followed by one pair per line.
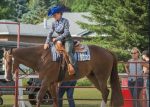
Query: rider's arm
x,y
48,39
66,31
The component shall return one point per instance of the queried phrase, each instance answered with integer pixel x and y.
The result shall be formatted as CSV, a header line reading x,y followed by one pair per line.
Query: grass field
x,y
82,93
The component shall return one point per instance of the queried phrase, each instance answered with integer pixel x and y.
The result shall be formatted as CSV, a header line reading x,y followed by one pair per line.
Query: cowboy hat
x,y
56,9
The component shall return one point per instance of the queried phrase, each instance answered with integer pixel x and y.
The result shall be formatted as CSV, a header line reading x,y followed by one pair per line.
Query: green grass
x,y
80,93
63,106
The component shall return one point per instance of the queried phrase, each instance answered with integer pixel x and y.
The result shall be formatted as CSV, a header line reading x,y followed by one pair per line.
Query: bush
x,y
121,68
84,82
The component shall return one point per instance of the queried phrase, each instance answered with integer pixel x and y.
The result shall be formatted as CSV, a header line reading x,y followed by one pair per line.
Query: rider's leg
x,y
69,50
59,45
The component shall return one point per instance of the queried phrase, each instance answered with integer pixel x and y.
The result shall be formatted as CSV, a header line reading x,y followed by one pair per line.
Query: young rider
x,y
61,27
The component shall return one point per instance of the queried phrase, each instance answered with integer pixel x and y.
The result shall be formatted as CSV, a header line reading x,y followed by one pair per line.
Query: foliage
x,y
33,11
38,8
125,22
76,5
21,8
123,55
12,9
7,9
38,11
83,82
81,5
121,68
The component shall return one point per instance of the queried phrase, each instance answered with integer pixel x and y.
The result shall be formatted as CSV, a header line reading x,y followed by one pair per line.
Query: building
x,y
37,33
75,29
28,32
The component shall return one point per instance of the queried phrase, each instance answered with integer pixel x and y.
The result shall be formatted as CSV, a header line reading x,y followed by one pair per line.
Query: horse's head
x,y
8,63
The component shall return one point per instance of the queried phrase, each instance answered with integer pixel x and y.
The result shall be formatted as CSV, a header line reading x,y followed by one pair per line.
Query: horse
x,y
101,68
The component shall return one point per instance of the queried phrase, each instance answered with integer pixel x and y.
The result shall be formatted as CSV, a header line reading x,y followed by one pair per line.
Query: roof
x,y
75,29
25,29
13,44
40,31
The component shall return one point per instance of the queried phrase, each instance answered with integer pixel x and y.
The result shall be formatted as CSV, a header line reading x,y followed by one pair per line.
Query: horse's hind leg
x,y
94,80
105,91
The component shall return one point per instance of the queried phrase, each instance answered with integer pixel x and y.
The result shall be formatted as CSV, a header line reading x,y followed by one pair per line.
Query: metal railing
x,y
121,75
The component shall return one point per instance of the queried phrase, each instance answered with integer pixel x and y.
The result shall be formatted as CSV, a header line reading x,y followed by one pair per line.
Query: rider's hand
x,y
46,46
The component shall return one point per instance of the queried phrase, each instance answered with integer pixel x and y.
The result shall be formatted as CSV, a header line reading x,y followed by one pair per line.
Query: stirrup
x,y
71,69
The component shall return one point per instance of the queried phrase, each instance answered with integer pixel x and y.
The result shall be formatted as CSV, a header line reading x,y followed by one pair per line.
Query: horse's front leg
x,y
41,92
53,91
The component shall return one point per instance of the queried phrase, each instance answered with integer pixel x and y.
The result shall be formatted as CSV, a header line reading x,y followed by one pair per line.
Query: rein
x,y
25,74
20,77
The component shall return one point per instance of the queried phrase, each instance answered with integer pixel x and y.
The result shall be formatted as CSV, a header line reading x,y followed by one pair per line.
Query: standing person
x,y
60,27
69,91
135,72
145,57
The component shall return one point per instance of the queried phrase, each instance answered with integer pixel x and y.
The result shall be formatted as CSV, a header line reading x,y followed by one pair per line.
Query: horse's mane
x,y
31,47
26,51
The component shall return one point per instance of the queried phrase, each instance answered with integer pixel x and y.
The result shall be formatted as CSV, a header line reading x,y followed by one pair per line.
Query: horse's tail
x,y
116,95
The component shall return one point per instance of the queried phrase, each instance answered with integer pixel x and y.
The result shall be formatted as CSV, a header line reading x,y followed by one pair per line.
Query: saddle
x,y
78,47
61,49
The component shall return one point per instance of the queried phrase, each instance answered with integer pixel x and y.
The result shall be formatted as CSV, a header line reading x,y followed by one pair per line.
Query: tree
x,y
76,5
21,8
124,21
12,9
80,5
38,10
7,9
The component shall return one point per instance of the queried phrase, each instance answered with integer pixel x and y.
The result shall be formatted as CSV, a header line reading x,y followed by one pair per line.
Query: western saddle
x,y
61,49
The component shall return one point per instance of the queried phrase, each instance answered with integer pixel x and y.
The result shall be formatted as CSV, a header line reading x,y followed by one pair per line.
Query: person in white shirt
x,y
135,73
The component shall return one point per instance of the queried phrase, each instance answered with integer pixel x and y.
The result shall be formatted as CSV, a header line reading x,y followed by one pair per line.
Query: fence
x,y
17,87
125,87
18,44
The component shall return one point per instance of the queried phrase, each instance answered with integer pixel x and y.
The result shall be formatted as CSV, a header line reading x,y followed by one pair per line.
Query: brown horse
x,y
103,64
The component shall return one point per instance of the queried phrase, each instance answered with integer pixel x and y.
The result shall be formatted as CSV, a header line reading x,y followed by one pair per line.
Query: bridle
x,y
6,54
12,58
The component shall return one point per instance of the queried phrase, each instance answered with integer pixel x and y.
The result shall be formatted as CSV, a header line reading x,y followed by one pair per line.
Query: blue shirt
x,y
61,29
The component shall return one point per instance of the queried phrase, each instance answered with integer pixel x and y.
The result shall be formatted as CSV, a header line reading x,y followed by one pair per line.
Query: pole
x,y
16,73
17,70
18,37
149,21
16,89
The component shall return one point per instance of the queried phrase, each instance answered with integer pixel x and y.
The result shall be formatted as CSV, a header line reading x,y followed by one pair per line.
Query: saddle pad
x,y
79,56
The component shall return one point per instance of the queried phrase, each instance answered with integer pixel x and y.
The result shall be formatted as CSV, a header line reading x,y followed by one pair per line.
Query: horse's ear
x,y
4,54
10,51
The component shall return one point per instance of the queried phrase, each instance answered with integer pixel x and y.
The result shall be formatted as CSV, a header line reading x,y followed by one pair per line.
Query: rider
x,y
61,27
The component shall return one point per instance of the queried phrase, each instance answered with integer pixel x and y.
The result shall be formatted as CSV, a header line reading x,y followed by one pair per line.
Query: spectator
x,y
135,72
145,57
69,92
